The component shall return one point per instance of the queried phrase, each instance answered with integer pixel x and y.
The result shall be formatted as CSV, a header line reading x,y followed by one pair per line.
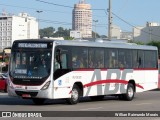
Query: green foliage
x,y
61,32
97,35
68,38
46,32
51,32
154,43
138,42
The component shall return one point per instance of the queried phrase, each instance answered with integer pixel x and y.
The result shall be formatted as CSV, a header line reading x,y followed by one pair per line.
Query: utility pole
x,y
110,20
95,34
38,11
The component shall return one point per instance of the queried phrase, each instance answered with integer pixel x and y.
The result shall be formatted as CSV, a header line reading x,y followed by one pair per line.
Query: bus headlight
x,y
46,86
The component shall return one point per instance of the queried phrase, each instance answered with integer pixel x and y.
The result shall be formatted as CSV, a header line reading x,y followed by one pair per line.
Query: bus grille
x,y
32,94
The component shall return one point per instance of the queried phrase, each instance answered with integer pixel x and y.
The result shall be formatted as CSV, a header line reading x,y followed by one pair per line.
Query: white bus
x,y
50,69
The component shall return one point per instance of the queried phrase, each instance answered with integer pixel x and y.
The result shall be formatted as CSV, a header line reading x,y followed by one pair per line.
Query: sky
x,y
58,13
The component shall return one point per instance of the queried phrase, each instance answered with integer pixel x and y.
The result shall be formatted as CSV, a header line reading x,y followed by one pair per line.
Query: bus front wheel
x,y
75,94
129,93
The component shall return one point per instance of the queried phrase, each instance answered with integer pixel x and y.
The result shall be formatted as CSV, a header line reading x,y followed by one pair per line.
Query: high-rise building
x,y
14,27
82,19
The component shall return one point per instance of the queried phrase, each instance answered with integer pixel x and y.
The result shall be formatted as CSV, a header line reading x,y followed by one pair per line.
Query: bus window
x,y
124,58
64,61
121,58
140,59
17,59
24,58
79,57
99,58
150,59
61,62
91,58
135,59
113,58
106,58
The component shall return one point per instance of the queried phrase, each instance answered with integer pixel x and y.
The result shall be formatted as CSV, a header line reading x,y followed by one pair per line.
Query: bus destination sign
x,y
32,45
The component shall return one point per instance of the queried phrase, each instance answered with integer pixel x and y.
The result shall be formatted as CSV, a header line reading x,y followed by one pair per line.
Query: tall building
x,y
14,27
82,19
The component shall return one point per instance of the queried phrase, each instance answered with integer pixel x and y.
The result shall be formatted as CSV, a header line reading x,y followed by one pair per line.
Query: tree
x,y
46,32
61,32
50,32
136,42
97,35
68,38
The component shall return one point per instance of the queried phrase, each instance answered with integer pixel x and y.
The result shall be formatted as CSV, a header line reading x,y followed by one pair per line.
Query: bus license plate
x,y
26,95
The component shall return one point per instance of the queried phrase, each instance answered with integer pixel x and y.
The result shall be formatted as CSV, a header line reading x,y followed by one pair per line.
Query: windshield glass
x,y
30,63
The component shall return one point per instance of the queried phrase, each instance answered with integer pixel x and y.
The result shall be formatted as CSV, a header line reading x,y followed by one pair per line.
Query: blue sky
x,y
134,12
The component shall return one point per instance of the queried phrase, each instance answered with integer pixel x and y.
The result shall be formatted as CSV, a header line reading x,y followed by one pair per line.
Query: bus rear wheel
x,y
75,94
38,101
129,93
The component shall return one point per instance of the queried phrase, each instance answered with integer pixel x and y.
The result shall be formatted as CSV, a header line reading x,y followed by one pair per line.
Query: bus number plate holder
x,y
26,95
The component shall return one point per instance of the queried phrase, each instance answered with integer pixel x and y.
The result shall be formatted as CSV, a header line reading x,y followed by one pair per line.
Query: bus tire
x,y
75,95
129,93
38,101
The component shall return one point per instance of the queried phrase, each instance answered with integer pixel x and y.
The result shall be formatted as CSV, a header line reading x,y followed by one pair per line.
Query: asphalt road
x,y
146,101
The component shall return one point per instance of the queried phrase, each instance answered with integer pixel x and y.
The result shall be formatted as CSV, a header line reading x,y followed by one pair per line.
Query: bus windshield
x,y
30,63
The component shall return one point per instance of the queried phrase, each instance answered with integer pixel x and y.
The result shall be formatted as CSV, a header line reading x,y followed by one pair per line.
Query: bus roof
x,y
106,44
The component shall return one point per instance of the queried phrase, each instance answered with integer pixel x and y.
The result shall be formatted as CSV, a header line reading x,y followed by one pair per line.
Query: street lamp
x,y
38,11
95,21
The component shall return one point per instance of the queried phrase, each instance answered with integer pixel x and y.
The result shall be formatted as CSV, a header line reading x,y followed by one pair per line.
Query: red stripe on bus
x,y
109,81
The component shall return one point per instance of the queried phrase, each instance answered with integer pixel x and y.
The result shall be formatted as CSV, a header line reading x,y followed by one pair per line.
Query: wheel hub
x,y
130,92
74,94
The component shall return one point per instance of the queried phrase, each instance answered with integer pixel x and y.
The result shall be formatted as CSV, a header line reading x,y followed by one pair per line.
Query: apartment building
x,y
18,27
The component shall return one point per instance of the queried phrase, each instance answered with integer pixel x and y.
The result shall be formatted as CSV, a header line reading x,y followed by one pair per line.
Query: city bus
x,y
60,69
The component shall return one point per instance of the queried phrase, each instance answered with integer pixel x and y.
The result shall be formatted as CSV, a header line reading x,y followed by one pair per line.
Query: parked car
x,y
3,82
